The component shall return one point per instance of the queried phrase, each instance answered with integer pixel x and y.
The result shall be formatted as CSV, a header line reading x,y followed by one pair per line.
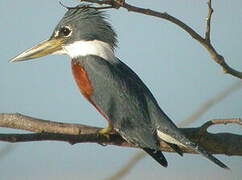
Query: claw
x,y
105,132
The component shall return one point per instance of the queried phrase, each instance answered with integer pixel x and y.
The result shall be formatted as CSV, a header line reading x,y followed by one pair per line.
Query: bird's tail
x,y
187,143
209,156
174,136
157,155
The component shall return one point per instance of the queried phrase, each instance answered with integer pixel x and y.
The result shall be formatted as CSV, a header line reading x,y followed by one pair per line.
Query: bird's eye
x,y
65,31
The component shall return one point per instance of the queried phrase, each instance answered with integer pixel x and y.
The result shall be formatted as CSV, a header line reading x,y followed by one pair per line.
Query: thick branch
x,y
205,42
220,143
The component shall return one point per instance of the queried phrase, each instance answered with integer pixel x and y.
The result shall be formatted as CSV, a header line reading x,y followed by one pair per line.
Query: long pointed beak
x,y
44,48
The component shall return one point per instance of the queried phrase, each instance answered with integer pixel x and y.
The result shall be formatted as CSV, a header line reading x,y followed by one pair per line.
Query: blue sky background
x,y
176,68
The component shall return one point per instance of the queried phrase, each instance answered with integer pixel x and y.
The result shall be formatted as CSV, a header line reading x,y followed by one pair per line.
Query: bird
x,y
115,91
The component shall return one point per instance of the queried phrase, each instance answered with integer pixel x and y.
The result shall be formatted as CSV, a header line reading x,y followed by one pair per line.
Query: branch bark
x,y
219,143
204,41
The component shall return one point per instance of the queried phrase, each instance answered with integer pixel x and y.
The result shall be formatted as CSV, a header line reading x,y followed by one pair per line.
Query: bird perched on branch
x,y
116,91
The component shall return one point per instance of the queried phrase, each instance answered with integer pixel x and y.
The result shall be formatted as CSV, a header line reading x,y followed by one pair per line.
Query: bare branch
x,y
208,29
22,122
205,42
205,126
220,143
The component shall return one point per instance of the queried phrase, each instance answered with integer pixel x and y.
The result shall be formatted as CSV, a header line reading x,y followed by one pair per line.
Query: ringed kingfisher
x,y
115,90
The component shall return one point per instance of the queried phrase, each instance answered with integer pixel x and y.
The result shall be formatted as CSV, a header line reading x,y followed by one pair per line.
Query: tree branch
x,y
205,42
219,143
208,29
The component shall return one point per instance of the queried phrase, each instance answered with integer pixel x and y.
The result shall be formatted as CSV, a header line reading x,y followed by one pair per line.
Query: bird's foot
x,y
105,132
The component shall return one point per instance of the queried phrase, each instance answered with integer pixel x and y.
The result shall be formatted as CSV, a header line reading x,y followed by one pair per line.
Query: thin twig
x,y
205,126
208,29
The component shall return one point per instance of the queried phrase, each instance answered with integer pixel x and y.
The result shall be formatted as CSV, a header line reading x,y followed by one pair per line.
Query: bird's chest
x,y
82,80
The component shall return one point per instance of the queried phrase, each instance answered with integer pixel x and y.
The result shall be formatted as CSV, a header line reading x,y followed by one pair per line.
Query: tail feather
x,y
157,155
203,152
177,138
175,148
174,136
211,157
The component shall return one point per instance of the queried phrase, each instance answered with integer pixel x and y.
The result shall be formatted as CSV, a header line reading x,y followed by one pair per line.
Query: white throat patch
x,y
84,48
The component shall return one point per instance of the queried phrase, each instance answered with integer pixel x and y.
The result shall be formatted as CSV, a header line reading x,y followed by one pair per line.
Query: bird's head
x,y
82,31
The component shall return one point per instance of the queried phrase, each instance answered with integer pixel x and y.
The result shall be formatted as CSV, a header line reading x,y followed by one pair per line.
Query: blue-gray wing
x,y
120,94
